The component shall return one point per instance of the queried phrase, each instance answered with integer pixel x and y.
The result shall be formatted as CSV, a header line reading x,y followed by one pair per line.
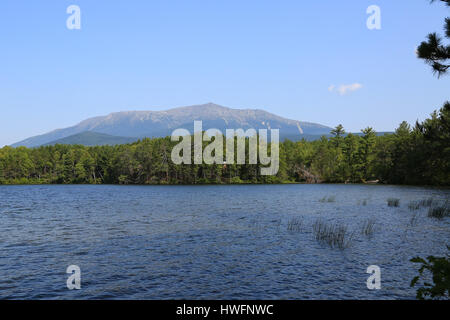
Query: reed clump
x,y
427,202
424,203
368,227
328,199
336,235
362,202
393,202
414,205
439,211
414,220
295,224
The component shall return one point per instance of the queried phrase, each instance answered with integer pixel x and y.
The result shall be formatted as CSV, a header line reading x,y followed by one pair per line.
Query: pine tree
x,y
434,52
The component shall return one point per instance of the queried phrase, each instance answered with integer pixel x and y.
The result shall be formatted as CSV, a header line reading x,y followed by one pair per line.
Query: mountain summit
x,y
140,124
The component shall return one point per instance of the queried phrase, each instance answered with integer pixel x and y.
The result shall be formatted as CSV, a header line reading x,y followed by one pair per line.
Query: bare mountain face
x,y
140,124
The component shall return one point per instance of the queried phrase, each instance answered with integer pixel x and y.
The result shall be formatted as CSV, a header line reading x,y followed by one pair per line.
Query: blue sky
x,y
281,56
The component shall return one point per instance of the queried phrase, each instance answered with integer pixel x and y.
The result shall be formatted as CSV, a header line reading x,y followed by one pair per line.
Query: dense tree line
x,y
418,155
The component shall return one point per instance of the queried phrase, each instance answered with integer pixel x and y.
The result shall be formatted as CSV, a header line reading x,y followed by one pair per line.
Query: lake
x,y
212,242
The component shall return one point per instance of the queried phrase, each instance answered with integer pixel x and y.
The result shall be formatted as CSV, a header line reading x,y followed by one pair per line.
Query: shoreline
x,y
226,184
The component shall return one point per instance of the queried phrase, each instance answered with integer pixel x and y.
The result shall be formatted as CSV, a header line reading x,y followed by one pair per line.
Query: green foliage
x,y
434,51
439,268
416,155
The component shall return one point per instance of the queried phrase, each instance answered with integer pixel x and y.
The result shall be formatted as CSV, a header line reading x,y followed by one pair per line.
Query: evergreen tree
x,y
434,51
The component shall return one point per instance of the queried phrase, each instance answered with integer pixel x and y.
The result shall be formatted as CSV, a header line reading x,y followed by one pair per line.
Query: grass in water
x,y
328,199
426,203
413,220
335,235
368,227
362,202
439,211
295,224
414,205
393,202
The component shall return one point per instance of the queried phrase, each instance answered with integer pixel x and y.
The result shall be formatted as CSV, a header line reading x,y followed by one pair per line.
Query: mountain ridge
x,y
91,138
140,124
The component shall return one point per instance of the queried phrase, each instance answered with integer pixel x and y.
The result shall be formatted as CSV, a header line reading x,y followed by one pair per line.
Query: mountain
x,y
91,138
139,124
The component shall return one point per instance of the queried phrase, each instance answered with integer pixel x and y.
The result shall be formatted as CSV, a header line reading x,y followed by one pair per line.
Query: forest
x,y
417,155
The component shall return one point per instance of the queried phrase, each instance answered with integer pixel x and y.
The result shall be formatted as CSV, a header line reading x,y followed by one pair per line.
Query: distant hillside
x,y
89,138
139,124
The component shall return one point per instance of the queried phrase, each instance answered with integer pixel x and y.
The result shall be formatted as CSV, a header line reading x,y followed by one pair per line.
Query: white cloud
x,y
344,89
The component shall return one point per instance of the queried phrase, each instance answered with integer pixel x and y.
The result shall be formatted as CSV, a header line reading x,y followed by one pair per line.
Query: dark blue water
x,y
210,242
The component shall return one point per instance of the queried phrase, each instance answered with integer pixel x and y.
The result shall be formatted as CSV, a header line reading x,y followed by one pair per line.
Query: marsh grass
x,y
439,211
414,205
414,219
436,209
425,203
335,235
362,202
328,199
368,227
393,202
295,224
